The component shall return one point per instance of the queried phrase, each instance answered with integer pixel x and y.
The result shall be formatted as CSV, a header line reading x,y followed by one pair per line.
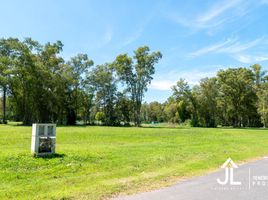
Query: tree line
x,y
236,97
39,86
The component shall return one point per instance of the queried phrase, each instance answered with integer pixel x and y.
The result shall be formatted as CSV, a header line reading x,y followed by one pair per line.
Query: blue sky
x,y
196,38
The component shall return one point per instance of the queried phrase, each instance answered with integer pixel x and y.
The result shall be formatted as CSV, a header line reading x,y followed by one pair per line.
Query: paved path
x,y
254,186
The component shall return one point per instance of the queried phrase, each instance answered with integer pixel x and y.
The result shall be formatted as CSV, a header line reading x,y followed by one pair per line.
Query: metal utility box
x,y
43,139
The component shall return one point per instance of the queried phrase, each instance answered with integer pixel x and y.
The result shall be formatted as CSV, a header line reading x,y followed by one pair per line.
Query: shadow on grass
x,y
51,156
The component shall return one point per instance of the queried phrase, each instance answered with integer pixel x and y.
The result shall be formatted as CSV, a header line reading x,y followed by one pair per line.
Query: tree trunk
x,y
138,114
4,104
71,117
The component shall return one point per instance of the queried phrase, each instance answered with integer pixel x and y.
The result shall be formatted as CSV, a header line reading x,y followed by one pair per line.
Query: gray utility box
x,y
43,139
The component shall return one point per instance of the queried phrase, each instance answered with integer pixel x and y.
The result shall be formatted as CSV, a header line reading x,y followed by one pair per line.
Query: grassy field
x,y
101,162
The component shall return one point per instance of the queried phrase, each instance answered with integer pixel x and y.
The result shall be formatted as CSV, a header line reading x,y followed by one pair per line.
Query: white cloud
x,y
162,84
215,16
213,47
229,46
216,11
192,77
250,59
238,47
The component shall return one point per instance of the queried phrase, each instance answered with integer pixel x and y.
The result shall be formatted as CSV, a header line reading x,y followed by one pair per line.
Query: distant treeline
x,y
38,85
236,97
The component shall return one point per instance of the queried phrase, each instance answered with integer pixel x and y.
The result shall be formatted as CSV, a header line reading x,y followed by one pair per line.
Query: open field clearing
x,y
102,162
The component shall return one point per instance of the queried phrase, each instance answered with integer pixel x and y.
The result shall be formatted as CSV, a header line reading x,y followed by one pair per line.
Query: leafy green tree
x,y
209,92
171,111
87,105
45,75
37,85
123,108
183,110
186,102
144,113
100,116
104,84
263,103
19,77
78,93
31,76
137,75
258,74
238,97
4,65
156,113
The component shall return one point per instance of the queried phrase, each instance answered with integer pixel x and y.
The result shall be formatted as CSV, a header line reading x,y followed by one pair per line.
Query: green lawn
x,y
101,162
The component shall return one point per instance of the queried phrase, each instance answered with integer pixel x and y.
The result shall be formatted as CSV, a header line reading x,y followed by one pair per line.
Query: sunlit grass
x,y
100,162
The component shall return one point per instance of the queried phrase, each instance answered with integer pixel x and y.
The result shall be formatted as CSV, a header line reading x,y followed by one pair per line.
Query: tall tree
x,y
12,51
6,60
80,65
4,64
137,74
104,84
263,103
123,108
31,79
207,99
186,103
170,110
238,96
258,74
47,68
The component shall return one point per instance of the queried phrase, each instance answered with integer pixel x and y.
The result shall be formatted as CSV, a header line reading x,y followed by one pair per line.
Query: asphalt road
x,y
252,176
